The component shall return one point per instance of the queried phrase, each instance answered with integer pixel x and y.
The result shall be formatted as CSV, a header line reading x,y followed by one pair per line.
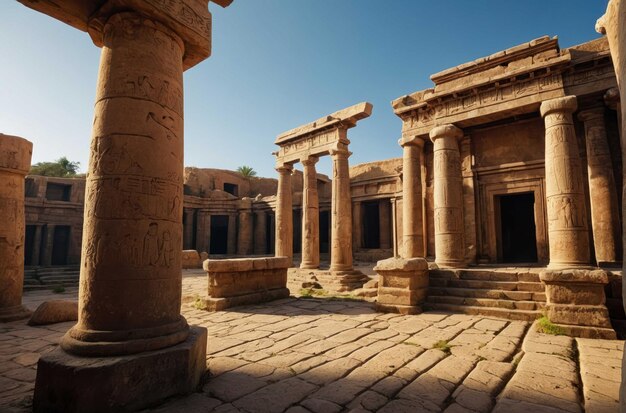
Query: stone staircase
x,y
47,278
515,294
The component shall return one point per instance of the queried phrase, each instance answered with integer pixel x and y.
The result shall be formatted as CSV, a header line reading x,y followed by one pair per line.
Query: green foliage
x,y
62,167
246,171
545,326
443,346
200,304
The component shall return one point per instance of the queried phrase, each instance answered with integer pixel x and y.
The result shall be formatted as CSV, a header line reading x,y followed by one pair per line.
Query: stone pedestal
x,y
310,216
284,214
448,197
68,383
576,302
341,206
412,216
15,156
402,285
602,190
567,218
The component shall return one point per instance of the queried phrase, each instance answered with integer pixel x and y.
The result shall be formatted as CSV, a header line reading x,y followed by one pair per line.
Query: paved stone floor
x,y
314,355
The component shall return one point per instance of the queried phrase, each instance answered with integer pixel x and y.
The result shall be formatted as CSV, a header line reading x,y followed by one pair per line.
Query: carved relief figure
x,y
151,245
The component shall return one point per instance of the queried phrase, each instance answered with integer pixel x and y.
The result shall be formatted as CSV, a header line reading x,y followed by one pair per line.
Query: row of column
x,y
341,210
568,228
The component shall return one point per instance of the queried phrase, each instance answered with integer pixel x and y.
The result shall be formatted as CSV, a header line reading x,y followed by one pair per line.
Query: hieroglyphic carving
x,y
185,13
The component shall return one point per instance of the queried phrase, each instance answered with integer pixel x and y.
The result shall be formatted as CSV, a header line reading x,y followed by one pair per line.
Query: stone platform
x,y
314,355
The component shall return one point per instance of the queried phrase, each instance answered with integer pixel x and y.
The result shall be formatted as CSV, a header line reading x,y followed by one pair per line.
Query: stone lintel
x,y
347,117
73,384
502,57
189,19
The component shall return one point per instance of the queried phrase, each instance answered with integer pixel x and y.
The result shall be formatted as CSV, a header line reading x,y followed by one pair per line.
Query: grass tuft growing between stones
x,y
545,326
199,304
59,289
443,346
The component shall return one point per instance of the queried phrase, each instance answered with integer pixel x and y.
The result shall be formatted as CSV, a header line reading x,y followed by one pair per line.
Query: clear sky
x,y
276,64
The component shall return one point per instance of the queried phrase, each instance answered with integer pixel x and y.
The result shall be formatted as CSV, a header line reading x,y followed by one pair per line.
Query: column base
x,y
309,266
69,383
18,312
451,264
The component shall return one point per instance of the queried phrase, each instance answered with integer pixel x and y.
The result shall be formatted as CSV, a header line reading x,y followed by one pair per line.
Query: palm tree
x,y
246,171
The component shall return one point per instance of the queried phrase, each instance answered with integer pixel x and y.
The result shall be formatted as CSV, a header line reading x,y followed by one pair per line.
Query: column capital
x,y
412,141
15,154
611,98
445,131
596,112
340,153
567,104
309,160
284,169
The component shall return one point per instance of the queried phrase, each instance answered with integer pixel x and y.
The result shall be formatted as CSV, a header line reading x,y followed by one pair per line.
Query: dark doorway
x,y
297,231
518,240
324,232
29,245
371,225
269,234
219,234
60,244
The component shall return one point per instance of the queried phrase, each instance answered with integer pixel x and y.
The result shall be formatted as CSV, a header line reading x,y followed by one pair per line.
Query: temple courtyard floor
x,y
301,355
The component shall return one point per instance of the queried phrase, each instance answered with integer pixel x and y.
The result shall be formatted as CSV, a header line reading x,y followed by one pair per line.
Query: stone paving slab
x,y
315,355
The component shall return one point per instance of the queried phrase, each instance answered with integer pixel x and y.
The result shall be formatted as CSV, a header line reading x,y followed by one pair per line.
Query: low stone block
x,y
403,285
55,311
191,259
65,383
245,281
587,315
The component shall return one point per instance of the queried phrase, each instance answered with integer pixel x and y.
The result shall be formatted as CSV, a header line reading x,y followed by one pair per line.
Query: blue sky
x,y
276,64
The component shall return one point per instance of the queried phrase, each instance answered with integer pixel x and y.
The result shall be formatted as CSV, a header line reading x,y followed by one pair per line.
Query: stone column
x,y
284,214
448,197
203,231
357,226
231,240
394,229
384,223
412,228
35,260
188,230
341,206
602,190
310,215
260,227
130,283
567,223
612,101
245,233
15,155
46,260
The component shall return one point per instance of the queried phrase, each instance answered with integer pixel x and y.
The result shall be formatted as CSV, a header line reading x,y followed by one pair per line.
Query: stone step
x,y
525,315
64,277
486,302
486,275
494,285
486,293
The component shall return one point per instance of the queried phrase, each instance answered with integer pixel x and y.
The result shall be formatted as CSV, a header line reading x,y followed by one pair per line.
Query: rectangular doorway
x,y
60,244
371,224
517,239
219,235
324,232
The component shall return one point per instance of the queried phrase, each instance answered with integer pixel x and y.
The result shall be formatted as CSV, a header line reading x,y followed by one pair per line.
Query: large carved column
x,y
203,231
260,228
15,155
245,233
284,214
412,228
310,215
448,197
602,190
130,329
567,223
341,206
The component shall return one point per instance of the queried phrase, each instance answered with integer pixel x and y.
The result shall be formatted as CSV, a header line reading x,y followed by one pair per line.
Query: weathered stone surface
x,y
67,383
191,259
55,311
15,155
402,286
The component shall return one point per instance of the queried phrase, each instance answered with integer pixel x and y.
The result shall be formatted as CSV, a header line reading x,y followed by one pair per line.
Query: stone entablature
x,y
509,82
